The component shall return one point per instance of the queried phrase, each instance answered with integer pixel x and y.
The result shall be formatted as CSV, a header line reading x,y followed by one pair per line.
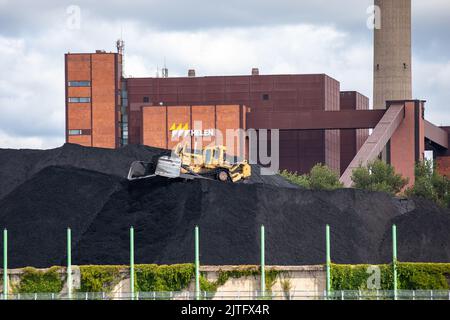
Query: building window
x,y
79,100
75,132
146,99
265,96
79,83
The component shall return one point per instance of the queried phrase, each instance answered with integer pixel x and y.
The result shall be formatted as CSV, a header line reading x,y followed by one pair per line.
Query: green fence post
x,y
69,263
263,262
328,259
132,262
197,264
394,258
5,264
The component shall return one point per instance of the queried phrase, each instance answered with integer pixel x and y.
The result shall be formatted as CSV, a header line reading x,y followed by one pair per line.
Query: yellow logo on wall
x,y
182,130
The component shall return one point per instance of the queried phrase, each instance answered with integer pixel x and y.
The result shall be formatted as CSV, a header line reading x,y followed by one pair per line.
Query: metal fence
x,y
242,295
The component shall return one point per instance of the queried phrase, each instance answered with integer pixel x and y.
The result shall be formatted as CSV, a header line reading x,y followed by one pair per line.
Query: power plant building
x,y
141,107
317,122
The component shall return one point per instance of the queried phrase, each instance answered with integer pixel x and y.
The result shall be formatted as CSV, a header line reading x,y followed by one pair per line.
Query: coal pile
x,y
69,187
17,166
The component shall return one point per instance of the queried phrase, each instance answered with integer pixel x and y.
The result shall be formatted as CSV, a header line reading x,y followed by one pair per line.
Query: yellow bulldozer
x,y
211,163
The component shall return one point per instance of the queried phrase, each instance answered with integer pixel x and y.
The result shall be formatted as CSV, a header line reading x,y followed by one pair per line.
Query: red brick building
x,y
93,112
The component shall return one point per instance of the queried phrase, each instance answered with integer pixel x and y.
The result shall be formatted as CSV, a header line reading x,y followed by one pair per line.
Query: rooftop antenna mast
x,y
120,44
165,71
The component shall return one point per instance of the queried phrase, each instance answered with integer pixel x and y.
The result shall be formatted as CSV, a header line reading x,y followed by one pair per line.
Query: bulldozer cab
x,y
179,149
214,155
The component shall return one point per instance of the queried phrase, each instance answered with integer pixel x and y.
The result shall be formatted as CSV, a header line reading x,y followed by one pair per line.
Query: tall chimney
x,y
255,72
392,78
191,73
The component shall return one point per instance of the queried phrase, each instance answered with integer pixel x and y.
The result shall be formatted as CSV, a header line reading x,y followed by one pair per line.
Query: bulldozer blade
x,y
169,167
141,170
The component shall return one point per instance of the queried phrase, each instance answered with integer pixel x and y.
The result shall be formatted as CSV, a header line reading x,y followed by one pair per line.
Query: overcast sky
x,y
214,37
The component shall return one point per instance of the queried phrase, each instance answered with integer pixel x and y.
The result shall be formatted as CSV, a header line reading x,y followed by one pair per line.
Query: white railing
x,y
242,295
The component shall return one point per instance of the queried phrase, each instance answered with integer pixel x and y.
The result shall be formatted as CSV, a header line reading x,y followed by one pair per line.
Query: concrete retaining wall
x,y
307,280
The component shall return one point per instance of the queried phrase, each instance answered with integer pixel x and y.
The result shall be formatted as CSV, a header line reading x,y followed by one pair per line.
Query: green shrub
x,y
430,184
320,177
410,276
354,277
163,278
37,281
378,176
423,276
293,177
99,278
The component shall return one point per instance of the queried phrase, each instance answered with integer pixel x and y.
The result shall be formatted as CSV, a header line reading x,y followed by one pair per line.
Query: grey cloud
x,y
22,15
24,18
41,25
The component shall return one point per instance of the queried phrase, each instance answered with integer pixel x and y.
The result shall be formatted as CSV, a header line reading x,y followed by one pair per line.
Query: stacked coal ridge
x,y
42,192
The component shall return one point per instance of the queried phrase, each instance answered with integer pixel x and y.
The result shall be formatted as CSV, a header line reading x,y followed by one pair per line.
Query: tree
x,y
320,177
378,176
430,184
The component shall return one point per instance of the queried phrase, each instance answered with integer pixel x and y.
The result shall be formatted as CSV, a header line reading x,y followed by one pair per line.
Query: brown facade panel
x,y
333,150
78,92
348,147
446,152
443,165
177,116
352,140
84,140
134,122
154,132
407,143
78,67
104,123
332,137
228,120
203,118
272,92
79,115
315,120
301,150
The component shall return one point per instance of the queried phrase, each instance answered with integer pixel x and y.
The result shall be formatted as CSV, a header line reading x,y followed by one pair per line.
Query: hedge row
x,y
40,281
163,278
411,276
